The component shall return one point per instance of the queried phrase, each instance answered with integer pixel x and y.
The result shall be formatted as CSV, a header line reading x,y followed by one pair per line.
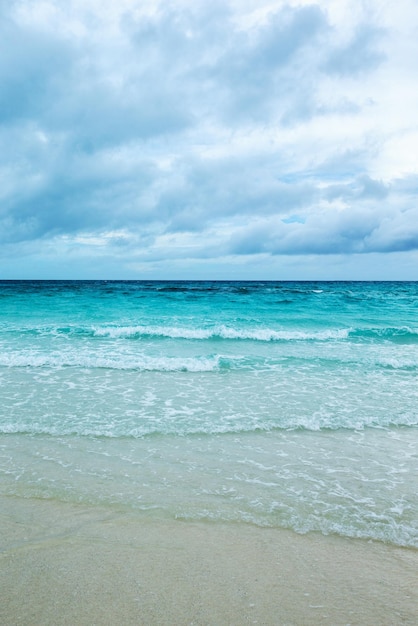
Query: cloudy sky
x,y
232,139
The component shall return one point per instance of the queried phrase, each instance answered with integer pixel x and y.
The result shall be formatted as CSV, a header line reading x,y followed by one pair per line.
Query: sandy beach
x,y
64,564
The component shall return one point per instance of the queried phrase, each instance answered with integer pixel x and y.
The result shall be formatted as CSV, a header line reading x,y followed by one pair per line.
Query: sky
x,y
206,139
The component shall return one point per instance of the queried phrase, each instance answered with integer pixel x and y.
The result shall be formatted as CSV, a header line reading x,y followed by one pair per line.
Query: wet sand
x,y
63,564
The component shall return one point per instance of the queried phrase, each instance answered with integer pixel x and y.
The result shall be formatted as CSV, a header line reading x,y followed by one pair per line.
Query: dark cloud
x,y
363,225
211,190
256,73
31,68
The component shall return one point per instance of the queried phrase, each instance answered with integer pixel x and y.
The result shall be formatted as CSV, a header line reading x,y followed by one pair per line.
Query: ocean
x,y
280,404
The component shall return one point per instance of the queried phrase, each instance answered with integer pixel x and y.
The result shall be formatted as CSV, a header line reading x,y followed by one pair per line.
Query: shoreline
x,y
66,564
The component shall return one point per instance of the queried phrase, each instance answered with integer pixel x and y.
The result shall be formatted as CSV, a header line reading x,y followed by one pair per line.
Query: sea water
x,y
281,404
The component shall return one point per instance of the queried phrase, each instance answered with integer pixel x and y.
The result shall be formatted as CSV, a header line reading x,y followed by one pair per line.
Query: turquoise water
x,y
290,404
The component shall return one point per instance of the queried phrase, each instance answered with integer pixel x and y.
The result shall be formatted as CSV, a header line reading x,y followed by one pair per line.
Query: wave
x,y
141,363
149,429
400,335
204,363
221,332
394,334
179,332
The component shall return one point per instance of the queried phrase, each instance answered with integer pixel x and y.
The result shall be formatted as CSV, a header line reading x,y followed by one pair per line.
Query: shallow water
x,y
282,404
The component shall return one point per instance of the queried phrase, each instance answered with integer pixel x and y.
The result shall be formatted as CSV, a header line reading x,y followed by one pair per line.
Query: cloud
x,y
256,72
359,55
358,224
138,132
31,67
